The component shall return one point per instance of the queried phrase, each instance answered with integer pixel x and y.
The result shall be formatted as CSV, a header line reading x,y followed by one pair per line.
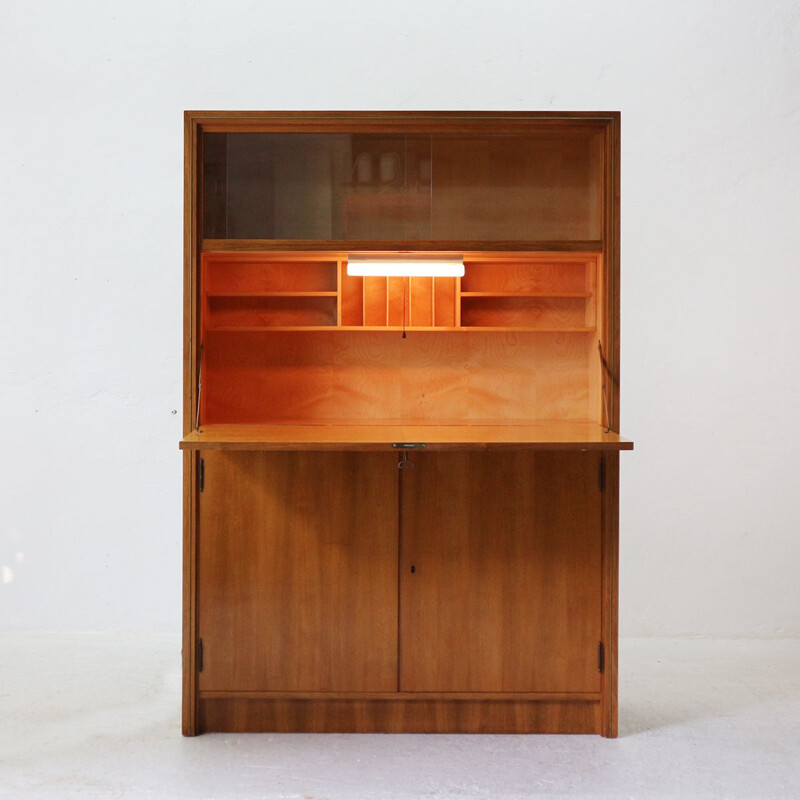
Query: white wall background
x,y
90,321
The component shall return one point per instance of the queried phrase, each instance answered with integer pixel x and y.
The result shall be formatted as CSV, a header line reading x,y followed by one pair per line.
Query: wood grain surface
x,y
329,375
398,716
297,583
355,435
500,572
297,551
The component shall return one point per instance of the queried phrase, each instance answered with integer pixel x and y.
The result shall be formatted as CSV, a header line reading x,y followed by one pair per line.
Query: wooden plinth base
x,y
303,715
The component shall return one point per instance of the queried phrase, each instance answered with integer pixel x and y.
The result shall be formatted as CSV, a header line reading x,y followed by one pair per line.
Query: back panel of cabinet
x,y
295,338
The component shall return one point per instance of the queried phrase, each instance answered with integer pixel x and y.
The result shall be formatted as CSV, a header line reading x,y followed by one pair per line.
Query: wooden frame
x,y
399,711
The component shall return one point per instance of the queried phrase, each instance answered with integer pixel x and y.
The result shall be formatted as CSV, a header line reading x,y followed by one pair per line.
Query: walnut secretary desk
x,y
401,483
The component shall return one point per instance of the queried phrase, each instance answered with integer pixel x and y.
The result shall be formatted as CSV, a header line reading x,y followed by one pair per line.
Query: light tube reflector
x,y
370,266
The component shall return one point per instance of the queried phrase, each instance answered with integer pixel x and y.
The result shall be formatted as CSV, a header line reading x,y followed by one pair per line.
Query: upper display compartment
x,y
538,185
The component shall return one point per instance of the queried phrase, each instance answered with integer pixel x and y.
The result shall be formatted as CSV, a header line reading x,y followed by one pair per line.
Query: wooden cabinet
x,y
400,493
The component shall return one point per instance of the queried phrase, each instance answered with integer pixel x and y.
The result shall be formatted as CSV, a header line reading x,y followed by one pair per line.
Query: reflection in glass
x,y
395,187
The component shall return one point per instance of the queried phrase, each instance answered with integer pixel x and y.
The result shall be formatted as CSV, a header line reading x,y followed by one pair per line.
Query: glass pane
x,y
316,186
518,188
388,194
395,187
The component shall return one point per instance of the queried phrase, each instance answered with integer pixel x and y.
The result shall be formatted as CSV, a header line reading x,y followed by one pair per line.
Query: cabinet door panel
x,y
297,571
505,592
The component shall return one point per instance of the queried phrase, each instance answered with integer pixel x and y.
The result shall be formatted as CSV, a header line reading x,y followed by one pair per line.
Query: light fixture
x,y
405,267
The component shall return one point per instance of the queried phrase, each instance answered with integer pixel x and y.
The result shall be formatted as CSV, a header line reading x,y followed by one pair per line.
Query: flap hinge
x,y
601,657
199,655
201,474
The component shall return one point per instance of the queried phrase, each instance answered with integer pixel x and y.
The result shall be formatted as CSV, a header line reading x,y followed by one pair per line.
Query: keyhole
x,y
413,568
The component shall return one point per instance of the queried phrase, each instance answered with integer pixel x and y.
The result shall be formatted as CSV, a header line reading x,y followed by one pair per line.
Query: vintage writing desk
x,y
401,493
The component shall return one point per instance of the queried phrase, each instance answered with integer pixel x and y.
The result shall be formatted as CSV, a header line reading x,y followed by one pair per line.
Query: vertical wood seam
x,y
400,571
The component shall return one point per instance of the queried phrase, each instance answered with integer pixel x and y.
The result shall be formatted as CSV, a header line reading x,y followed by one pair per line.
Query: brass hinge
x,y
201,474
601,657
199,655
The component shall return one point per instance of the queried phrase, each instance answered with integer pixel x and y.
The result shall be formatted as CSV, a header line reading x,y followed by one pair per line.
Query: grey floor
x,y
92,715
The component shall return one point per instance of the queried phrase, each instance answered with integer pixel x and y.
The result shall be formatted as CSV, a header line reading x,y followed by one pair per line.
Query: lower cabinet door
x,y
297,572
500,572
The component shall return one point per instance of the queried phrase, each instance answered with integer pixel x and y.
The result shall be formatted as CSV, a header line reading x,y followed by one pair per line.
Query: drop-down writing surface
x,y
546,436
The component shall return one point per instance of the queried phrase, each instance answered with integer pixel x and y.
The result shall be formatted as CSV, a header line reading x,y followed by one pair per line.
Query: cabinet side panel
x,y
611,499
297,583
611,593
190,352
189,718
612,260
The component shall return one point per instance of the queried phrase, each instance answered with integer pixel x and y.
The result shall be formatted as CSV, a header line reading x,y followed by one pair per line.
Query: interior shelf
x,y
399,328
527,294
341,247
546,435
242,311
524,292
270,294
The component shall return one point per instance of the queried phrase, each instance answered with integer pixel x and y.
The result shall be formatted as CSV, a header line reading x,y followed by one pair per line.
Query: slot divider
x,y
407,302
457,295
363,301
339,291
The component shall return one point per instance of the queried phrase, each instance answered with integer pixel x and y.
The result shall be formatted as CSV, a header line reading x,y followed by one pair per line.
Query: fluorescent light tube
x,y
405,267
